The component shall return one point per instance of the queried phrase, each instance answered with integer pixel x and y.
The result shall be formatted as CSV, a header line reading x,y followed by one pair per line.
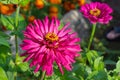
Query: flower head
x,y
45,44
97,12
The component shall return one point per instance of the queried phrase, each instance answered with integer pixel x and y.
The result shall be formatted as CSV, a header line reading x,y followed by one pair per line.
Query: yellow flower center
x,y
95,12
51,37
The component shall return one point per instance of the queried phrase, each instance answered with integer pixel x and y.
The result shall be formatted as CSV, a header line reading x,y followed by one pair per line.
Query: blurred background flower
x,y
97,12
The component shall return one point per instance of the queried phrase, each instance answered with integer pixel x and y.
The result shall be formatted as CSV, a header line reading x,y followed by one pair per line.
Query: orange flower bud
x,y
39,4
53,9
4,9
51,15
81,2
31,18
55,1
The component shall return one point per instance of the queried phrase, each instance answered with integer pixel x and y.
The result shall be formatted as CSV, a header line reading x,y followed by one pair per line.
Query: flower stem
x,y
17,16
16,44
91,36
43,75
15,29
16,25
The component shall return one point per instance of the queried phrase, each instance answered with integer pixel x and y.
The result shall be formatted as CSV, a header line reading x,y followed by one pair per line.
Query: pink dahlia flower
x,y
45,44
97,12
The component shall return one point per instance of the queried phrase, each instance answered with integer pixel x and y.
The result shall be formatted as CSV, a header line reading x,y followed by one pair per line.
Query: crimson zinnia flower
x,y
45,44
97,12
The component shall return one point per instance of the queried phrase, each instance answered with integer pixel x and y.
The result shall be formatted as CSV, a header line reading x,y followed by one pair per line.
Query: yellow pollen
x,y
95,12
51,37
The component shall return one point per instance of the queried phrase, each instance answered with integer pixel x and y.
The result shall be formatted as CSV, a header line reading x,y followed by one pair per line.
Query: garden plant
x,y
36,45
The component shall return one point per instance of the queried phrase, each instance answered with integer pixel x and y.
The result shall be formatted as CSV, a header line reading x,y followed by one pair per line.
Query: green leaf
x,y
91,56
68,75
14,1
4,55
110,62
21,27
3,39
61,26
46,2
37,74
118,66
88,70
10,75
71,77
23,66
4,35
110,78
3,74
98,64
24,2
9,1
21,2
81,78
98,75
80,70
5,1
4,49
4,42
11,65
8,22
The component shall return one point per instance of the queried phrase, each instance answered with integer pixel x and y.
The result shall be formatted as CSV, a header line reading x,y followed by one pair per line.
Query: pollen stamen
x,y
51,37
95,12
